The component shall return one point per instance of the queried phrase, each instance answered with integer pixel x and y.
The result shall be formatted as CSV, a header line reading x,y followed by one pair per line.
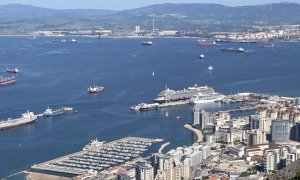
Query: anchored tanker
x,y
26,118
185,94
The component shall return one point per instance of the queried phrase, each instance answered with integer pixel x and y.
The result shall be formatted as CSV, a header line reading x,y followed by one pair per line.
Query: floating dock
x,y
99,157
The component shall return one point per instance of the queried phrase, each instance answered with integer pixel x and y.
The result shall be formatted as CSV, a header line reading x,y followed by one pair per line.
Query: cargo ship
x,y
203,42
147,43
7,80
169,95
27,117
207,98
238,50
95,89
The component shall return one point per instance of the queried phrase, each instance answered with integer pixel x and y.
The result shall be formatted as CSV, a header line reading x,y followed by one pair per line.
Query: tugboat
x,y
238,50
147,43
95,89
15,71
201,56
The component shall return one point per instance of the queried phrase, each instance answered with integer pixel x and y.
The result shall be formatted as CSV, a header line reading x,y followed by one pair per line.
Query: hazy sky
x,y
127,4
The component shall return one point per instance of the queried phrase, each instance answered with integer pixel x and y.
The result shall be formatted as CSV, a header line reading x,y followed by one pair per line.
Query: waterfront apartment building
x,y
177,164
281,130
144,171
201,118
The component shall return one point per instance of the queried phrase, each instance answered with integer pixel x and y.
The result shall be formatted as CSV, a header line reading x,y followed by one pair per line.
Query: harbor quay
x,y
99,156
201,95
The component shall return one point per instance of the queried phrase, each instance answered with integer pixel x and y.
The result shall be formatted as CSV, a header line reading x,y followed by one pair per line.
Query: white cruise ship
x,y
185,94
26,118
206,98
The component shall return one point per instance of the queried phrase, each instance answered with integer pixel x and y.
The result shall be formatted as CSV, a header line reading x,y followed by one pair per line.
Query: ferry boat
x,y
15,70
147,43
238,50
203,42
201,56
206,98
7,80
27,117
95,89
144,106
169,95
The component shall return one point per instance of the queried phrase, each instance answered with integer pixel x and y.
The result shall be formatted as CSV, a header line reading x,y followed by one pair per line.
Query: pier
x,y
196,131
163,146
99,156
174,103
240,110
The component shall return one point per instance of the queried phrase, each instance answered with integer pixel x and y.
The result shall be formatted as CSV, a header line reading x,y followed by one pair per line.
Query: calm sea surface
x,y
58,75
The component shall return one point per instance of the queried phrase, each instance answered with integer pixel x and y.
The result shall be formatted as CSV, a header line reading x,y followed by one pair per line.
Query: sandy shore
x,y
39,176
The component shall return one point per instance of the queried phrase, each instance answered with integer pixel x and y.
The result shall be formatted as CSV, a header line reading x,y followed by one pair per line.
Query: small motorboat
x,y
95,89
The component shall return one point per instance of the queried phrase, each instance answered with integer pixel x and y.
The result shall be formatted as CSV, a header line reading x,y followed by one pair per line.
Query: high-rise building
x,y
256,137
144,171
261,123
137,29
281,130
201,118
270,162
297,102
254,122
297,131
164,166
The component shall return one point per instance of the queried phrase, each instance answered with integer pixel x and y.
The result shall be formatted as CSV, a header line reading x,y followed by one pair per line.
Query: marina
x,y
99,156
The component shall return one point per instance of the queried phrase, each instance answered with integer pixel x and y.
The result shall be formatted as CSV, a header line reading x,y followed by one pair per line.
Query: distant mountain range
x,y
16,18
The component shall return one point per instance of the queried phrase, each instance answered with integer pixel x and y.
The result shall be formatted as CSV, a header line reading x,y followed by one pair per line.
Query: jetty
x,y
195,131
